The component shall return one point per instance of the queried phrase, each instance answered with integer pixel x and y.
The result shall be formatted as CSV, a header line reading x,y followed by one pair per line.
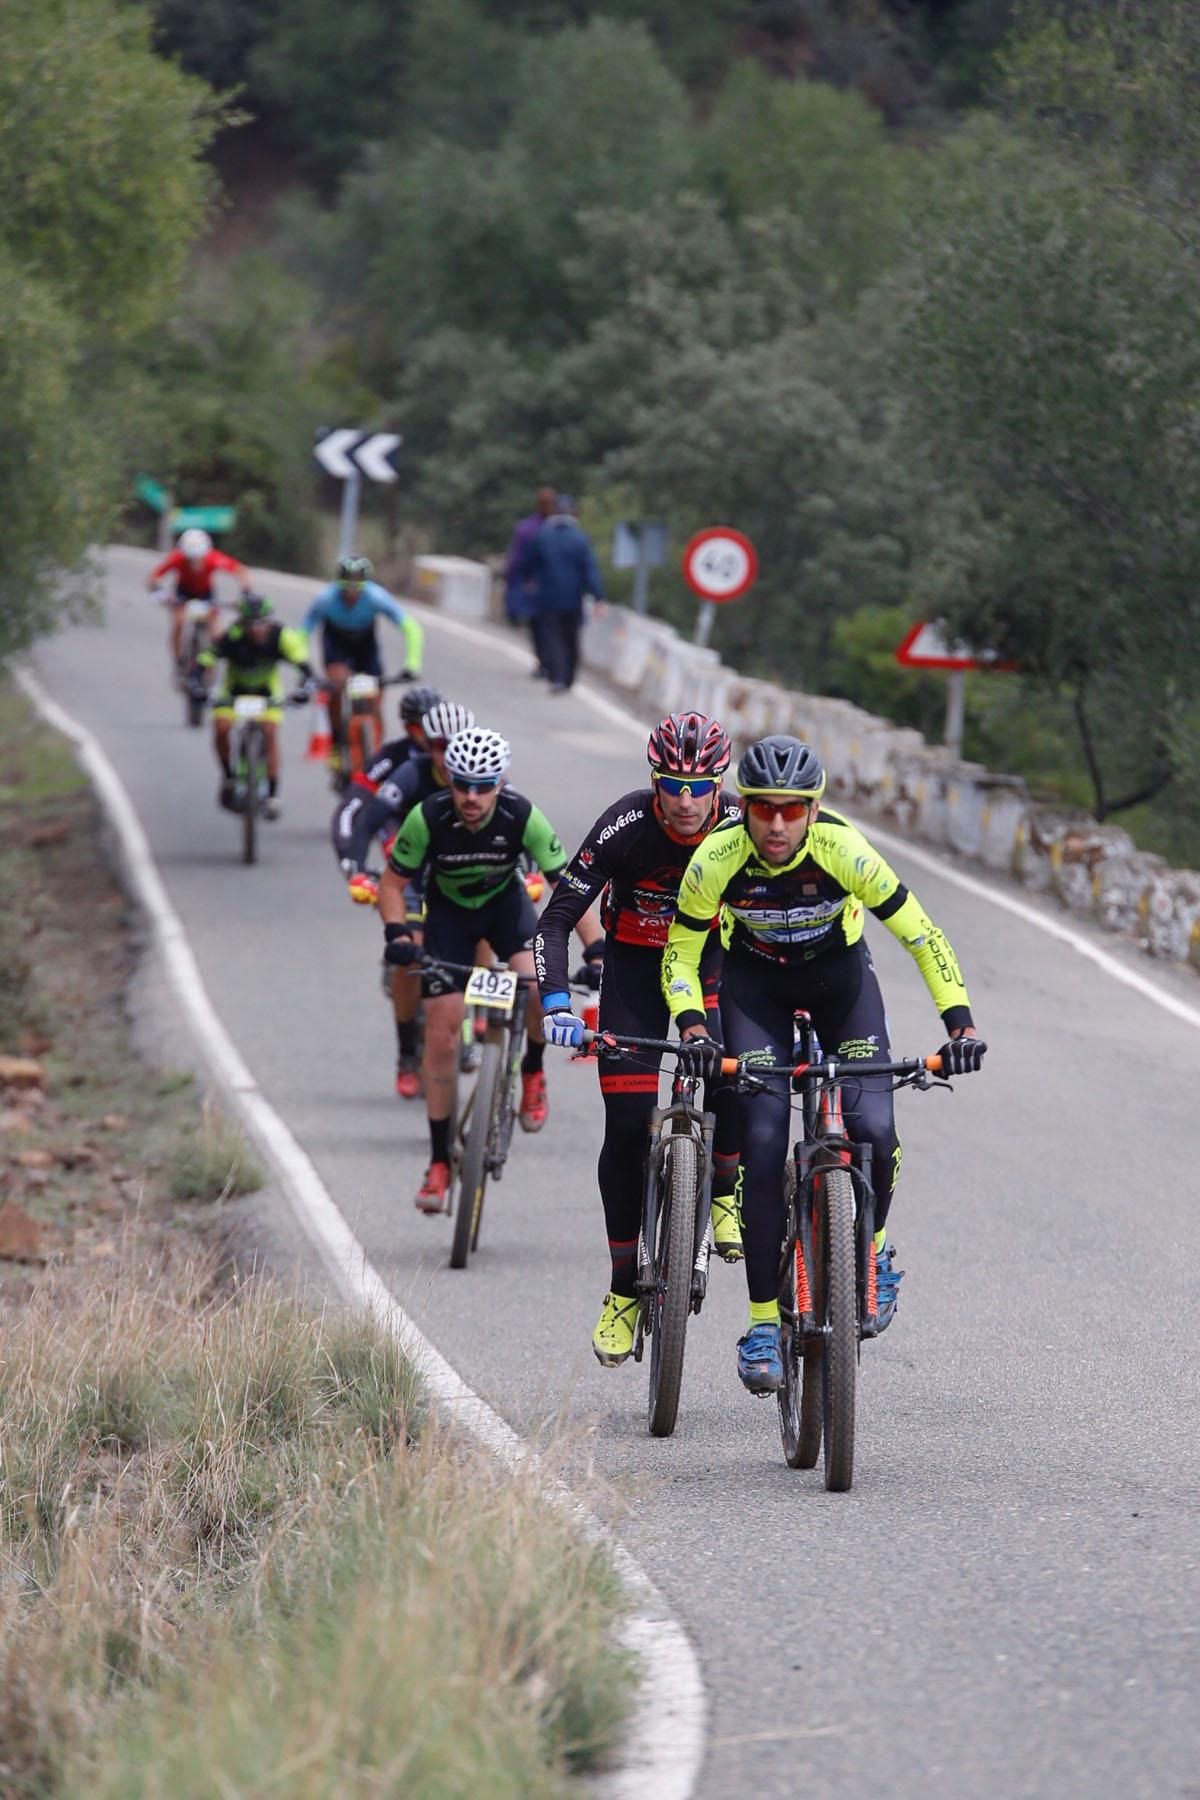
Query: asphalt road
x,y
1008,1602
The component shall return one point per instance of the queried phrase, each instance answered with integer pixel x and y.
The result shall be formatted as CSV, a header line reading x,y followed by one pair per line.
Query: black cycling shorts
x,y
506,922
359,650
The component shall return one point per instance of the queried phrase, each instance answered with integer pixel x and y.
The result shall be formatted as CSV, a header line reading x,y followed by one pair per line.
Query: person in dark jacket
x,y
561,564
519,595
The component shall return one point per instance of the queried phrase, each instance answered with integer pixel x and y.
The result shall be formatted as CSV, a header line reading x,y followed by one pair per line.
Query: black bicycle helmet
x,y
254,606
416,702
354,568
689,743
781,765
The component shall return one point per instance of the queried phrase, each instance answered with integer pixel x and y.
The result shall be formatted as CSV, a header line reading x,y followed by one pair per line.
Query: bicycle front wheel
x,y
671,1301
251,764
840,1314
802,1396
473,1172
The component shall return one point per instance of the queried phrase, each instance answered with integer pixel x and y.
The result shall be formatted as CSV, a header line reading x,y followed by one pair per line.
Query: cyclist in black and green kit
x,y
469,840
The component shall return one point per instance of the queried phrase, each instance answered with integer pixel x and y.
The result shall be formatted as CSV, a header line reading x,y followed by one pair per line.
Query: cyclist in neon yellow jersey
x,y
794,879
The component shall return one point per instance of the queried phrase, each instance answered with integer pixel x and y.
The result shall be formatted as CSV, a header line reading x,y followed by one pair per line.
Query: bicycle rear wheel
x,y
671,1300
473,1172
840,1312
251,765
801,1398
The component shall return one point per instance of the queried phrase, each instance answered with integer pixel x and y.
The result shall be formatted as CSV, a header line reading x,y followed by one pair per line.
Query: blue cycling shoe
x,y
760,1360
887,1286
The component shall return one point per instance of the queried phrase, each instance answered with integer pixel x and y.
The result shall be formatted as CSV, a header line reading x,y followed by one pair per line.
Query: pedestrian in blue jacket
x,y
561,565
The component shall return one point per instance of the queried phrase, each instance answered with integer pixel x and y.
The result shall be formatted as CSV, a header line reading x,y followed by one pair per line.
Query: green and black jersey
x,y
809,908
252,667
471,865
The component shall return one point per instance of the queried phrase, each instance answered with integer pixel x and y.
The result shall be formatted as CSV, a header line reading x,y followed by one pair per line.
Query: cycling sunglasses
x,y
699,786
790,810
488,786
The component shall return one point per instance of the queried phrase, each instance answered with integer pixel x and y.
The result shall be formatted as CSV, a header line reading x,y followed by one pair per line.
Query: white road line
x,y
664,1746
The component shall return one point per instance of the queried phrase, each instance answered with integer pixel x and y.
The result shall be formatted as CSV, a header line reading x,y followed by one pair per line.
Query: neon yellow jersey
x,y
811,907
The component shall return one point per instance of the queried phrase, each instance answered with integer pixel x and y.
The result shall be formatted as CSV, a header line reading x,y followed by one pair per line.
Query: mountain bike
x,y
248,759
481,1134
675,1240
193,677
359,736
827,1286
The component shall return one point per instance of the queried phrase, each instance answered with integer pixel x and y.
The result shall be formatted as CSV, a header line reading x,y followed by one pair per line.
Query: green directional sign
x,y
152,492
208,518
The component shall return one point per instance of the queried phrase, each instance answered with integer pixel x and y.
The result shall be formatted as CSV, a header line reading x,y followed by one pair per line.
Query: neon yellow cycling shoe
x,y
612,1340
727,1225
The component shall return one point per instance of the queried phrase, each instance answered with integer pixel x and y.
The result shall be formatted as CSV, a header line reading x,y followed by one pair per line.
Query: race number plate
x,y
362,687
492,987
196,610
249,706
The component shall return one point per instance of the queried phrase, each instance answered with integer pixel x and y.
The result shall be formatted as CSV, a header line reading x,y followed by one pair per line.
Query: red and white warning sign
x,y
925,647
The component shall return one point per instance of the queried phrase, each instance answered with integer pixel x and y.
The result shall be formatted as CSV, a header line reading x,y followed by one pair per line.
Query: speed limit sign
x,y
720,563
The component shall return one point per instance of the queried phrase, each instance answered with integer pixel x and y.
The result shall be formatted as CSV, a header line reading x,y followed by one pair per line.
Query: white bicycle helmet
x,y
477,755
446,720
194,542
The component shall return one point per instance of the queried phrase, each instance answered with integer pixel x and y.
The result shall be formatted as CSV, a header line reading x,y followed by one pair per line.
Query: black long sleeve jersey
x,y
629,852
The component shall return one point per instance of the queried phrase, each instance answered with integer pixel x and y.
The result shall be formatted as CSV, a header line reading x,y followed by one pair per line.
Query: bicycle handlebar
x,y
609,1043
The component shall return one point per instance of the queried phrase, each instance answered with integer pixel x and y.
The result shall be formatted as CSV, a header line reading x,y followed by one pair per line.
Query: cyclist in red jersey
x,y
194,562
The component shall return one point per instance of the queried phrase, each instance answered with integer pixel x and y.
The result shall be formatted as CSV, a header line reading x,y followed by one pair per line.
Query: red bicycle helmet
x,y
689,743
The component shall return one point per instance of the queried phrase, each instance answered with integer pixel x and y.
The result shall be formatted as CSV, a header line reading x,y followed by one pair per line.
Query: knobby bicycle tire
x,y
251,748
677,1245
473,1173
801,1398
194,706
840,1372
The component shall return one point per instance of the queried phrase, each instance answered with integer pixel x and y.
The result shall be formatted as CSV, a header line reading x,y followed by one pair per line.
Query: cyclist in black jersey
x,y
795,878
469,842
636,854
352,838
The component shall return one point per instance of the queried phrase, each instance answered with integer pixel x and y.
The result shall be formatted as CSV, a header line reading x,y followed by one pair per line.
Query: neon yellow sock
x,y
879,1240
764,1312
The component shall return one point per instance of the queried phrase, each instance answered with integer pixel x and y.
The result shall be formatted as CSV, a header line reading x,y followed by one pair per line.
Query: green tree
x,y
1052,367
102,190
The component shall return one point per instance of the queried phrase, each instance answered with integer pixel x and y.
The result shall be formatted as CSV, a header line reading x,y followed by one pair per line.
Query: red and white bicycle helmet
x,y
689,743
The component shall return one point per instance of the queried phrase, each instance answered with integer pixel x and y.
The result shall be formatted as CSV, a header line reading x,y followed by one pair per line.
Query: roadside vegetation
x,y
236,1552
907,289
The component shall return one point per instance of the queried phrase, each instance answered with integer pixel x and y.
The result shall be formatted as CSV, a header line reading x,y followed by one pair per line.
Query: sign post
x,y
640,545
925,647
719,564
348,454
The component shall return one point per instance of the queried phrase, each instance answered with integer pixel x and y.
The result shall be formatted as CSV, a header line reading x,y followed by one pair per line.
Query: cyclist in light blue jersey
x,y
347,611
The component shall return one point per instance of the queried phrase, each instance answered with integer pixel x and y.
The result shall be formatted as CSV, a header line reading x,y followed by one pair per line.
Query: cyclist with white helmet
x,y
469,841
404,774
347,612
193,563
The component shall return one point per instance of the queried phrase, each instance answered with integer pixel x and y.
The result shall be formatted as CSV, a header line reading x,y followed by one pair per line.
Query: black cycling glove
x,y
700,1057
401,948
588,974
962,1055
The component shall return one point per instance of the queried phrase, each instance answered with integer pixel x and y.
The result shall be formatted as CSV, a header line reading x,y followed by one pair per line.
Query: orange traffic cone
x,y
591,1016
320,741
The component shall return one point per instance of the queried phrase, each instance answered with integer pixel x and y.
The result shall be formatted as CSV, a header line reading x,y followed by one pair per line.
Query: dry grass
x,y
235,1558
211,1160
230,1562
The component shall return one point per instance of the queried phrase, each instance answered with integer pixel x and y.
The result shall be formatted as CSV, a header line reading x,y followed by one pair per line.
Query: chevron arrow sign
x,y
347,452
